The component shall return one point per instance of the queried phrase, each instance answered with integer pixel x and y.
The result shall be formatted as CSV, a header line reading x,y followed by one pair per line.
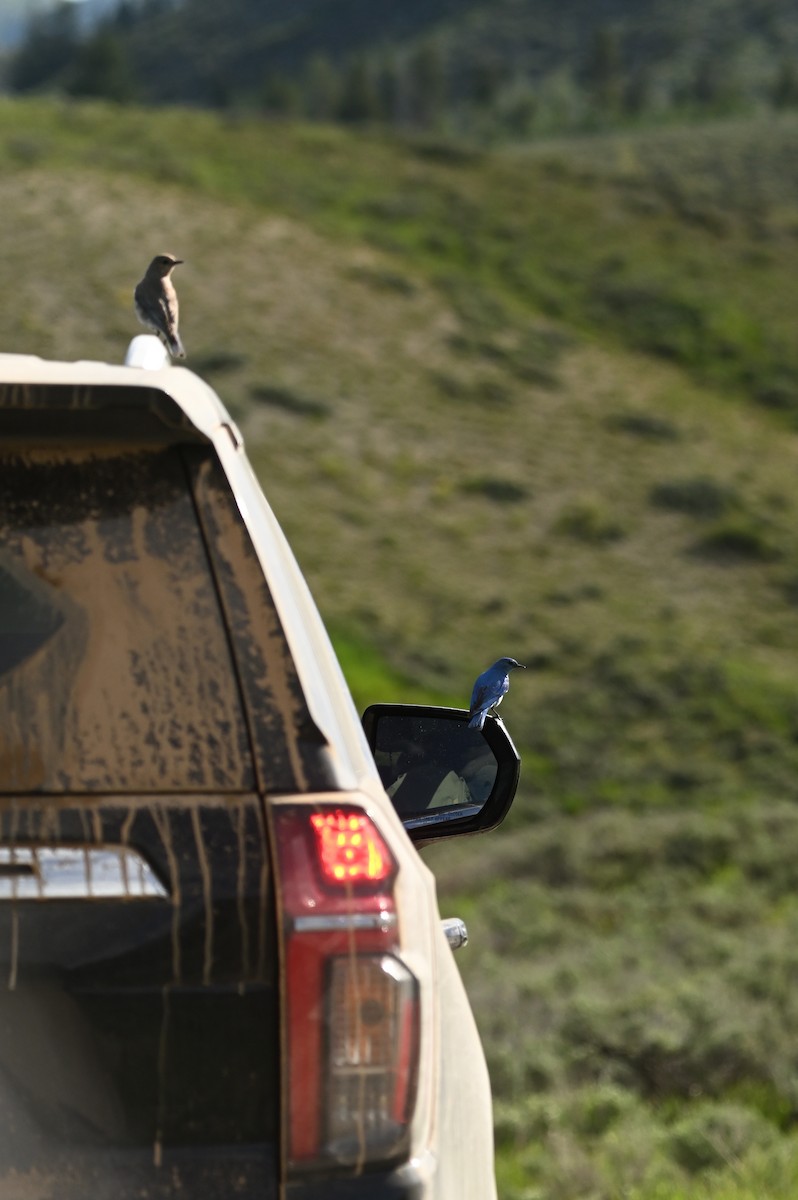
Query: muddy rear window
x,y
116,671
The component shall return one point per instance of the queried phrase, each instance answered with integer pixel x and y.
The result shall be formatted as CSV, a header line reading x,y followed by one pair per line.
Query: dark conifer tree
x,y
100,68
47,50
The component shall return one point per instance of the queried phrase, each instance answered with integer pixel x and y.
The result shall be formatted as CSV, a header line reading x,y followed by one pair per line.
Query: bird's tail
x,y
478,720
175,346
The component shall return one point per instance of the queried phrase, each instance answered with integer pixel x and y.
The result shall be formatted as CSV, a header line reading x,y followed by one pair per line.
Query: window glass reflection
x,y
430,763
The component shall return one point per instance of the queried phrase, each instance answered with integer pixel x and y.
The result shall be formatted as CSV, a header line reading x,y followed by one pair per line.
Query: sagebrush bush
x,y
742,539
499,490
699,496
718,1135
646,425
588,520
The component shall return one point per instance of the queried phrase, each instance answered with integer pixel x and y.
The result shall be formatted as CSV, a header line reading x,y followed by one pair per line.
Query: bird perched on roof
x,y
490,688
155,301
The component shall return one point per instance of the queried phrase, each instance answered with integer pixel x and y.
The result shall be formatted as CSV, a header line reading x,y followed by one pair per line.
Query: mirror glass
x,y
433,766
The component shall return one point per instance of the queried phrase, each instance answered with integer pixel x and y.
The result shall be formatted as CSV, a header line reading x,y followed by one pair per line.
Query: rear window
x,y
116,671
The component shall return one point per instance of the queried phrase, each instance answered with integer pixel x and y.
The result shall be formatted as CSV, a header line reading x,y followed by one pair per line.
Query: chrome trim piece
x,y
344,922
456,932
76,873
436,816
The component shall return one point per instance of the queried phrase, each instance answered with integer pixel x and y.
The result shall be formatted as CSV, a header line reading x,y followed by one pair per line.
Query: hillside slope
x,y
539,403
581,376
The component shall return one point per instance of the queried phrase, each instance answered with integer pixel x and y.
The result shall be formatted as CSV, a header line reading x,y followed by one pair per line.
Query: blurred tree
x,y
425,85
218,90
637,92
125,15
152,9
785,85
486,77
561,103
389,90
101,69
517,108
279,94
321,88
715,84
604,71
442,64
359,100
47,49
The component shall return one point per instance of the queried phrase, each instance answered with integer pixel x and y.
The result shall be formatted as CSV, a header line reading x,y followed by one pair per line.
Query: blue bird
x,y
490,688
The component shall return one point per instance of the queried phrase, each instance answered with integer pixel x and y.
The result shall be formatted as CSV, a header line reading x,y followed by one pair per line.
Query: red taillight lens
x,y
349,848
351,1005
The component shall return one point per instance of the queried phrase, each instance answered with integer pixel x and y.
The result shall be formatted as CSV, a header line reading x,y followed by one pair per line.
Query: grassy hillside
x,y
541,402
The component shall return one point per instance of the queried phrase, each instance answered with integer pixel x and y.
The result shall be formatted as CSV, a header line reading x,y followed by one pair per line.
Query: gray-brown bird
x,y
155,301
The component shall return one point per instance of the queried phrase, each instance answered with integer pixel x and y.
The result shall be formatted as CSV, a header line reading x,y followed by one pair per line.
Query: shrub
x,y
789,590
742,539
501,491
591,1111
698,497
652,319
384,279
644,425
588,521
777,387
215,362
717,1135
288,401
480,391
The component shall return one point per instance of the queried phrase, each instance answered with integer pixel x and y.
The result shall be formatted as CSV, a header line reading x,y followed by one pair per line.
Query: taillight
x,y
349,848
350,1003
370,1054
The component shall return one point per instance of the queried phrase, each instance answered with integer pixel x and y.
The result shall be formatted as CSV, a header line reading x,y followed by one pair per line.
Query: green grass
x,y
539,402
370,678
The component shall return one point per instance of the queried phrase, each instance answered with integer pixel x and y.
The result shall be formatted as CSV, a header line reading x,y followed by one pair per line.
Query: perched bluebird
x,y
489,689
155,300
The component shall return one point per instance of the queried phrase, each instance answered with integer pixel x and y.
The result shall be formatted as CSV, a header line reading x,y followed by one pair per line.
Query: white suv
x,y
222,968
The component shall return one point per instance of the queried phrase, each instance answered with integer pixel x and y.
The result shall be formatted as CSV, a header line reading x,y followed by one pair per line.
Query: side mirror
x,y
444,779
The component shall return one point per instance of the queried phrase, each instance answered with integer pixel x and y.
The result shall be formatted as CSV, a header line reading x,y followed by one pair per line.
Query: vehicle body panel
x,y
291,735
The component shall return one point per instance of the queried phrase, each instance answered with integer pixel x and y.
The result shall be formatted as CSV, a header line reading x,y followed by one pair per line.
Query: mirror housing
x,y
445,779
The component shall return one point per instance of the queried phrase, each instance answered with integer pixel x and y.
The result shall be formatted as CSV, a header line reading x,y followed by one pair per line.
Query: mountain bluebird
x,y
490,688
155,300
